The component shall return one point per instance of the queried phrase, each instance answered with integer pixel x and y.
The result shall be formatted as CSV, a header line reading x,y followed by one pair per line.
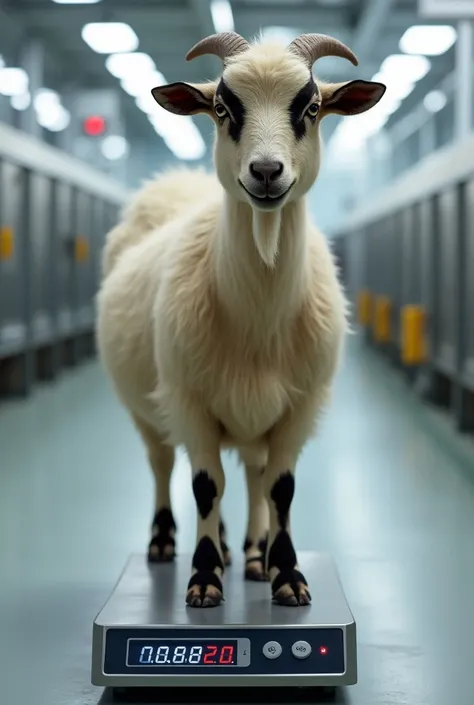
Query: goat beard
x,y
266,234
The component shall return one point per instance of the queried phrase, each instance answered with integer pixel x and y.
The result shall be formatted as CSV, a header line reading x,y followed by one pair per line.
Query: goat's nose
x,y
266,170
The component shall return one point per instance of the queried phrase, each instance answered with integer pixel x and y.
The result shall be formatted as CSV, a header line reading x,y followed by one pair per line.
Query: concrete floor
x,y
381,490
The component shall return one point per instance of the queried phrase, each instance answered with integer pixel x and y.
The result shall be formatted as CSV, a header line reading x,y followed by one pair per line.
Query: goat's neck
x,y
253,293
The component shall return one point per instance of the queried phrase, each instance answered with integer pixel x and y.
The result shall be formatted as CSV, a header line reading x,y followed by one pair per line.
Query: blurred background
x,y
387,488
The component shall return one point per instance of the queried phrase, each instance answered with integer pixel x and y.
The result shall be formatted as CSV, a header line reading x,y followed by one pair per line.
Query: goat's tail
x,y
157,202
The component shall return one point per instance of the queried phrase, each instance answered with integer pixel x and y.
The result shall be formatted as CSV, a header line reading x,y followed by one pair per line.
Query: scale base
x,y
148,603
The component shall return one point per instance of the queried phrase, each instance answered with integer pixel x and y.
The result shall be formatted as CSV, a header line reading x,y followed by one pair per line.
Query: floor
x,y
381,489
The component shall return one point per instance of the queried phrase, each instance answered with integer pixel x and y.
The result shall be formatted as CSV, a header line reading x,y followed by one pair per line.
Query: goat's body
x,y
185,319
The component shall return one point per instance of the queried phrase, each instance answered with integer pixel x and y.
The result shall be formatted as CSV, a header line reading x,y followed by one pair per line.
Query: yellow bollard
x,y
364,307
81,249
7,243
413,335
382,316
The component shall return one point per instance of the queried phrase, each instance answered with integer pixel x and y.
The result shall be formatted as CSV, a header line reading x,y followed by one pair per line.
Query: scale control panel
x,y
265,651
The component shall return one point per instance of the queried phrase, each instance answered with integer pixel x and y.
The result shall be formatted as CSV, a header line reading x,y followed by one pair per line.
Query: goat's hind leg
x,y
255,546
163,530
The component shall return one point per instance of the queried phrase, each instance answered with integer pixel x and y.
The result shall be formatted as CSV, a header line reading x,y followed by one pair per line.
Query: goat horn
x,y
223,45
314,46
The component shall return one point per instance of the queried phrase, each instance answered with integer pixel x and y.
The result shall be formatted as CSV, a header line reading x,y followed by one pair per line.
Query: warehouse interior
x,y
387,485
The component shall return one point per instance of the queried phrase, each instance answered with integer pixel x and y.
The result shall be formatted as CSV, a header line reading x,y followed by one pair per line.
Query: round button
x,y
301,649
272,649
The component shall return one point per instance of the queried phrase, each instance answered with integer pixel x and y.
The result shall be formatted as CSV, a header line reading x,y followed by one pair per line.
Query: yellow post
x,y
364,307
382,316
413,335
81,248
7,243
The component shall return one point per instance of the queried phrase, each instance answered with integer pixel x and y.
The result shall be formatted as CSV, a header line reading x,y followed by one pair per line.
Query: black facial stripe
x,y
205,491
235,107
298,105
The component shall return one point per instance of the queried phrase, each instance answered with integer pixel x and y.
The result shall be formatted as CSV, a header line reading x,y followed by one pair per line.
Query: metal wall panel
x,y
447,236
43,265
411,284
428,282
13,269
468,289
83,270
64,260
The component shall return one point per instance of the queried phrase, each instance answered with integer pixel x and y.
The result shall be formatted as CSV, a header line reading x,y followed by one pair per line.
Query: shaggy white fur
x,y
221,325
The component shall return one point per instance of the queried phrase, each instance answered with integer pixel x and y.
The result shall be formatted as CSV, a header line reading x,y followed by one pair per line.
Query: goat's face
x,y
267,108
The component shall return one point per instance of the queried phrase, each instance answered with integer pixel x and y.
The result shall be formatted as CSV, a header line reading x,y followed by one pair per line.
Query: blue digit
x,y
146,654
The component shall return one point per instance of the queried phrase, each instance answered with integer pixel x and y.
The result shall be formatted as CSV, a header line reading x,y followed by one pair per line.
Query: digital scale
x,y
147,636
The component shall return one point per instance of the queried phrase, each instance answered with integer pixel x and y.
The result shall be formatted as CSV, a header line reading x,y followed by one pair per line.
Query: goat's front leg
x,y
289,585
203,448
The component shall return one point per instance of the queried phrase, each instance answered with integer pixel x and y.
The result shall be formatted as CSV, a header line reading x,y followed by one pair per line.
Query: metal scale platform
x,y
146,636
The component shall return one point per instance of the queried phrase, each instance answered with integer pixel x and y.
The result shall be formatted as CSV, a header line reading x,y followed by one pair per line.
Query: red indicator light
x,y
94,126
323,650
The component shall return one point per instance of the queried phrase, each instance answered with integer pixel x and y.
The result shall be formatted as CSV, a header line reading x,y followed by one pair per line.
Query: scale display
x,y
181,652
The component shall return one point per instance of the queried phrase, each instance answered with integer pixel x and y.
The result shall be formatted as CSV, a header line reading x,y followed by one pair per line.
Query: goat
x,y
221,322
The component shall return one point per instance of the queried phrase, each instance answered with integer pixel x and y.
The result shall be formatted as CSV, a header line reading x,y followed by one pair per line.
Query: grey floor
x,y
382,489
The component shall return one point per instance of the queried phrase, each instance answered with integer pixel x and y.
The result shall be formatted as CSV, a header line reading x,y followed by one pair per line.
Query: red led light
x,y
94,125
323,650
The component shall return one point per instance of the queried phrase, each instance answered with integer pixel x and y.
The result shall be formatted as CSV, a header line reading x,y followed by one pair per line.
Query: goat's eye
x,y
313,110
220,110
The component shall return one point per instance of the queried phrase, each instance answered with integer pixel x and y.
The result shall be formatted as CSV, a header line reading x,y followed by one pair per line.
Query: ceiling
x,y
168,28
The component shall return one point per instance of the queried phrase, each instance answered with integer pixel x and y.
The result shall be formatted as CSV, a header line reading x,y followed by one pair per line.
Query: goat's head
x,y
267,108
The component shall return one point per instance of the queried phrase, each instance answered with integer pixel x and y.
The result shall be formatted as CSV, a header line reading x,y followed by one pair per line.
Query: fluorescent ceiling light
x,y
76,2
180,134
431,40
21,101
110,37
285,35
129,64
44,98
412,68
435,101
13,81
399,86
114,147
222,17
147,104
139,85
53,117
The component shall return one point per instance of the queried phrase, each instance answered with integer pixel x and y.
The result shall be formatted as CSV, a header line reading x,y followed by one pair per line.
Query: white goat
x,y
221,318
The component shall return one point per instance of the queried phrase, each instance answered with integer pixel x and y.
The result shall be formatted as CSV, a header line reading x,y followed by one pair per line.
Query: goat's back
x,y
158,202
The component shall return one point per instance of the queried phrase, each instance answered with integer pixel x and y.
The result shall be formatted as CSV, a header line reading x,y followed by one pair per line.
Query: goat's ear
x,y
351,98
185,98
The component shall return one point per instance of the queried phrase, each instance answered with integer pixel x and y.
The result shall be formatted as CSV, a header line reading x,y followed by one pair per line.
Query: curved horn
x,y
223,45
311,47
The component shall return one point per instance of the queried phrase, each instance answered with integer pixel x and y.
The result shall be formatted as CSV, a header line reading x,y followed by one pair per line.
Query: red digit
x,y
212,651
226,656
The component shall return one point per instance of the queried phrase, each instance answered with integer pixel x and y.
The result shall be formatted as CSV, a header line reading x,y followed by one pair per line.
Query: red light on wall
x,y
323,650
94,126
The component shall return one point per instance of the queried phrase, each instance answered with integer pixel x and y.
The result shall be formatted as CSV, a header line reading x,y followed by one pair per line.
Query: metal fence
x,y
54,214
408,263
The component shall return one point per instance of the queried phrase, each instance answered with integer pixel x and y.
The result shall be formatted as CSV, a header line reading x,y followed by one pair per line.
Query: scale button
x,y
272,649
301,649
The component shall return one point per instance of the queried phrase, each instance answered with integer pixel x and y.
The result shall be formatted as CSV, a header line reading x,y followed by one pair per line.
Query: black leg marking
x,y
224,547
289,585
205,492
162,545
282,495
205,586
255,566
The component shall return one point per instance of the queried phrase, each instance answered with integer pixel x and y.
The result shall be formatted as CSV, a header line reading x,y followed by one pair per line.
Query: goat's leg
x,y
161,458
289,585
255,546
224,546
